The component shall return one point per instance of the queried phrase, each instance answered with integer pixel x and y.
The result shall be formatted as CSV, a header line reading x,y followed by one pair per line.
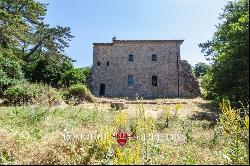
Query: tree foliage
x,y
229,53
18,20
10,73
48,70
33,48
77,76
201,69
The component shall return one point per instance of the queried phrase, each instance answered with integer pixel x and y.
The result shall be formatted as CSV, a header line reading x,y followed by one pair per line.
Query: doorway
x,y
102,90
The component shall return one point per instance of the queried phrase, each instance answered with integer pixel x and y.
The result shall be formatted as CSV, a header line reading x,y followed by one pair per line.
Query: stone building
x,y
144,68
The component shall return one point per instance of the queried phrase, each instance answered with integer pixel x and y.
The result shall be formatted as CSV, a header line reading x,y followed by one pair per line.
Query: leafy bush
x,y
207,87
78,93
10,73
76,76
48,70
48,96
31,94
20,93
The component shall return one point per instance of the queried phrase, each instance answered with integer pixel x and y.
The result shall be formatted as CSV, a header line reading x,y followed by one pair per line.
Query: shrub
x,y
10,73
48,96
76,76
48,70
20,93
26,93
78,93
207,87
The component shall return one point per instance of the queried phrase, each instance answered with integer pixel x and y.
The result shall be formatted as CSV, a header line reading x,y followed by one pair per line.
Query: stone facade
x,y
111,69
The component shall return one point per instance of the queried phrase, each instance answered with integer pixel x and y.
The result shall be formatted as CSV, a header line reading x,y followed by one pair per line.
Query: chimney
x,y
113,39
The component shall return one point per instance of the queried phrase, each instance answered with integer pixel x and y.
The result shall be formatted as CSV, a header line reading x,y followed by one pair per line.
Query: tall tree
x,y
26,39
229,52
18,19
49,39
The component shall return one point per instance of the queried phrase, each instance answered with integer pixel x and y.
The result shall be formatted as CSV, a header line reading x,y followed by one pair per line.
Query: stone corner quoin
x,y
143,68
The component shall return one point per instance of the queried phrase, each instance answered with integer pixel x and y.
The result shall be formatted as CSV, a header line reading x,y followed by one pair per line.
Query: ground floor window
x,y
130,80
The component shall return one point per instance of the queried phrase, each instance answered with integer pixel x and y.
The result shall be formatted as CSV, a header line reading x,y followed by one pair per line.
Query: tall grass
x,y
36,135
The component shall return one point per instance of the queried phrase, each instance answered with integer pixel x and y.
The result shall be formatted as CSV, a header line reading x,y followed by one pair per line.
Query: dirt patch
x,y
190,107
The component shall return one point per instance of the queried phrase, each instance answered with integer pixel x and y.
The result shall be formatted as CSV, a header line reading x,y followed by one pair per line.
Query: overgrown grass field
x,y
197,134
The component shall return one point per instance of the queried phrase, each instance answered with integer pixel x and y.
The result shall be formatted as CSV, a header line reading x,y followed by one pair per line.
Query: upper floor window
x,y
130,80
130,57
98,63
107,63
154,57
154,80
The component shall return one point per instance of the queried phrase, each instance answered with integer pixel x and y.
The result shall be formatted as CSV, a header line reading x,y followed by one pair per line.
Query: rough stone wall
x,y
115,76
189,85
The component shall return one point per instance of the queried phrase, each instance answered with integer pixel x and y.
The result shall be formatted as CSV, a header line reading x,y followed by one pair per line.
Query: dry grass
x,y
34,135
192,106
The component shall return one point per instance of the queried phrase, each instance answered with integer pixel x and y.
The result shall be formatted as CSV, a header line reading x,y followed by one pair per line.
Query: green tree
x,y
48,70
10,73
27,40
46,61
48,41
229,52
18,19
201,69
77,76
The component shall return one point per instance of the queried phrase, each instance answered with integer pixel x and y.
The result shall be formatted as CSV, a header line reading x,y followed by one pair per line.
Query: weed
x,y
33,136
187,130
216,137
178,106
235,130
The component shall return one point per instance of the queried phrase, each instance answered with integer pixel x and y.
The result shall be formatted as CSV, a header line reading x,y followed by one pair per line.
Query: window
x,y
107,63
154,57
154,80
130,57
98,63
130,80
